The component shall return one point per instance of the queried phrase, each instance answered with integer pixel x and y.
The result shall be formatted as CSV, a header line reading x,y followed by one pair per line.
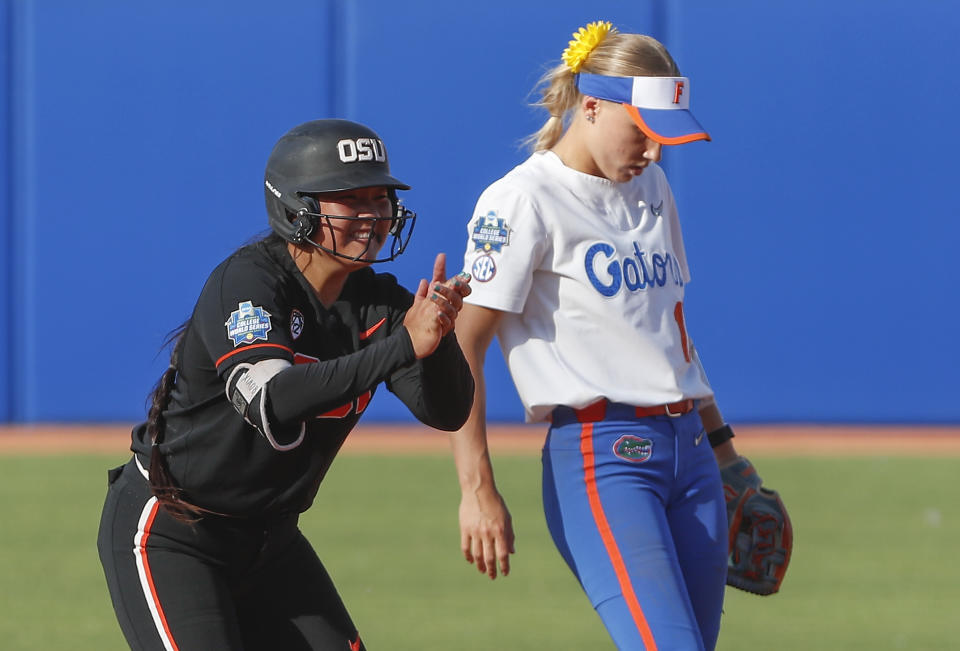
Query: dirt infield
x,y
777,440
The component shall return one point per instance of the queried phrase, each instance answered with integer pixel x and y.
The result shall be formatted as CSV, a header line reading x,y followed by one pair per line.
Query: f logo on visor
x,y
677,91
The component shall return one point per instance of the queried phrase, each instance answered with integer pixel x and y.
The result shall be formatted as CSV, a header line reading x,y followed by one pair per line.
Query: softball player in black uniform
x,y
287,343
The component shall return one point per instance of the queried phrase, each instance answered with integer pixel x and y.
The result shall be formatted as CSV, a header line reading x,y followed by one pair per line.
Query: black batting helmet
x,y
328,156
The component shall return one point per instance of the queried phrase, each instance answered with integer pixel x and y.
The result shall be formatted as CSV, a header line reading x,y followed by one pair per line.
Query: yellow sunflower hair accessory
x,y
584,40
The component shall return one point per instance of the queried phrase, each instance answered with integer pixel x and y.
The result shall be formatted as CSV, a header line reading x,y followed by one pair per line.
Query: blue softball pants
x,y
635,506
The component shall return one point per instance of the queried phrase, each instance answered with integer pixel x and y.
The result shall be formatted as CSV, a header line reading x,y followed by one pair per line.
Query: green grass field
x,y
874,563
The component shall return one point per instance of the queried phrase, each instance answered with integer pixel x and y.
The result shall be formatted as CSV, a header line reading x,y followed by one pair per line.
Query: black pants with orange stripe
x,y
219,583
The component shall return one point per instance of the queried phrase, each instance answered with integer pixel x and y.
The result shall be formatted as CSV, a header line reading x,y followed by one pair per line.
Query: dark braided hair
x,y
162,485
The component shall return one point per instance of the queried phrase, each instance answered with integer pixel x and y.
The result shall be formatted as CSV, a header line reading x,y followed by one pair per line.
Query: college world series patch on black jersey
x,y
247,324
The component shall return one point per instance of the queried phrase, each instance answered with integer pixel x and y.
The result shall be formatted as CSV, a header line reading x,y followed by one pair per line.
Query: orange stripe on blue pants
x,y
636,509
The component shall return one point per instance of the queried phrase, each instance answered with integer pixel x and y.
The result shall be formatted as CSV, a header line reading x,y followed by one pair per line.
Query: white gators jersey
x,y
590,275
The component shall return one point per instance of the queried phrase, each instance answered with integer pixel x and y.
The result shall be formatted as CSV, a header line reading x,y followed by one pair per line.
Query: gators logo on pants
x,y
633,448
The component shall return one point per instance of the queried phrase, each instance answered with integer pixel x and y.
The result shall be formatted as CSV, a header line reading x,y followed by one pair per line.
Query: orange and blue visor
x,y
659,105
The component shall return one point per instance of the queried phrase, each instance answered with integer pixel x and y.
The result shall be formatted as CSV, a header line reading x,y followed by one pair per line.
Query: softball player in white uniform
x,y
579,270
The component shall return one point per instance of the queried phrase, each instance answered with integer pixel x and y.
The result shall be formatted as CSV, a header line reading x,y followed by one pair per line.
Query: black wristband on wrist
x,y
720,435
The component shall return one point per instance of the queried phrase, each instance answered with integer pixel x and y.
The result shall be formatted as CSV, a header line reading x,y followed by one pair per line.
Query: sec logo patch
x,y
484,268
633,448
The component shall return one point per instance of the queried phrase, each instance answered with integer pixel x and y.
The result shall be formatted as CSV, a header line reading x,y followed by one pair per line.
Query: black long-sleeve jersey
x,y
257,306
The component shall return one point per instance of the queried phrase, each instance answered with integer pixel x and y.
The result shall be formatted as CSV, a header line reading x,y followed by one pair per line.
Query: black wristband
x,y
720,435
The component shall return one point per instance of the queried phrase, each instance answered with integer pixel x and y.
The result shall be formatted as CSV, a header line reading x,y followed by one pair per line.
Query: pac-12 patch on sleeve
x,y
296,323
247,324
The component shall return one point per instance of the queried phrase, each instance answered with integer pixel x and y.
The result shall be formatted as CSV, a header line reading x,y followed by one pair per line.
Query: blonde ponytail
x,y
558,96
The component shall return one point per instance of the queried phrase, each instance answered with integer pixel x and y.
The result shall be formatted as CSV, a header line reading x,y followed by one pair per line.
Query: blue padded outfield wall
x,y
821,222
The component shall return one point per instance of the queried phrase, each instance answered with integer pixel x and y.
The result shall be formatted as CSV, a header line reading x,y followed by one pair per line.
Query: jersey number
x,y
357,405
678,315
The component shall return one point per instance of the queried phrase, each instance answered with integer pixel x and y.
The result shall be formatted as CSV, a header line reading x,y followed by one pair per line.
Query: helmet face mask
x,y
325,156
401,221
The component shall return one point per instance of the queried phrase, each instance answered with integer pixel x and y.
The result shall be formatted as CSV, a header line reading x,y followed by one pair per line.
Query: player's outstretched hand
x,y
435,307
486,532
